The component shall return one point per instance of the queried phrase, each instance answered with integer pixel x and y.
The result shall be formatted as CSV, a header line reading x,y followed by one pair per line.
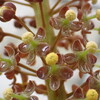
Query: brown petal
x,y
31,57
40,34
10,51
10,75
8,14
77,46
43,72
55,22
54,83
41,89
80,14
70,58
63,11
33,98
66,73
24,48
29,88
91,59
11,5
43,49
78,93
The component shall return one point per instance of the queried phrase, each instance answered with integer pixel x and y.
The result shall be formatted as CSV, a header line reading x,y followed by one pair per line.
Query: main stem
x,y
42,20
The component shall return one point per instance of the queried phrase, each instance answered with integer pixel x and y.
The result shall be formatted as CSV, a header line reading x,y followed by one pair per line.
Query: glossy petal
x,y
40,34
54,83
17,57
91,59
31,57
97,74
33,98
76,26
80,14
55,22
24,48
78,93
63,11
10,51
70,58
77,45
43,49
3,67
85,67
43,72
66,73
29,88
10,74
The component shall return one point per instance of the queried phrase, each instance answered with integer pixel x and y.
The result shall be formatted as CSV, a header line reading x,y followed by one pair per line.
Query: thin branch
x,y
24,4
56,4
23,24
42,15
68,3
26,67
57,38
27,73
12,35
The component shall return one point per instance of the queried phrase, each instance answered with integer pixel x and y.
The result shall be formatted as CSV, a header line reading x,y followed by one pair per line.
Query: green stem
x,y
59,94
91,17
42,19
98,50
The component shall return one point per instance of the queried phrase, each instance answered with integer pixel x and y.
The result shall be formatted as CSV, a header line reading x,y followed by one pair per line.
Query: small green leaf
x,y
19,97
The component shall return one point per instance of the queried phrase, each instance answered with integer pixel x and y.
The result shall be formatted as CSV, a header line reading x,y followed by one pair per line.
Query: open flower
x,y
33,46
54,71
9,65
83,60
26,94
65,22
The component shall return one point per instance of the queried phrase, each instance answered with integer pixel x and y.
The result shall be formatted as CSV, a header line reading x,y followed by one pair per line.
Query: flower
x,y
64,22
91,46
55,71
52,58
70,15
98,14
92,94
33,46
27,37
7,93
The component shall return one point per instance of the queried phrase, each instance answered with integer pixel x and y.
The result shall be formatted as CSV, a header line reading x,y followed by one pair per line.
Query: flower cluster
x,y
56,26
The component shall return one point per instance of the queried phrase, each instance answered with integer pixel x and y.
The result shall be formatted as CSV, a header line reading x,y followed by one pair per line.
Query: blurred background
x,y
9,27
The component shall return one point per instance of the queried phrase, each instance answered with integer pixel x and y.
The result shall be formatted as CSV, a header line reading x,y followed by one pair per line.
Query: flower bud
x,y
70,15
27,37
7,93
7,12
91,95
52,58
91,47
98,14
